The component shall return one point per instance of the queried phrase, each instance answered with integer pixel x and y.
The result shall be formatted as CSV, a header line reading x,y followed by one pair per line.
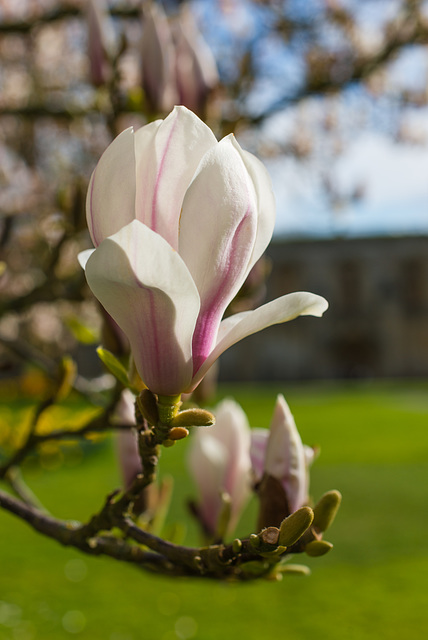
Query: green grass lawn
x,y
374,449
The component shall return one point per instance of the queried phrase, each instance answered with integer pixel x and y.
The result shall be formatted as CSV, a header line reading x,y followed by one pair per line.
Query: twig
x,y
19,487
98,424
216,561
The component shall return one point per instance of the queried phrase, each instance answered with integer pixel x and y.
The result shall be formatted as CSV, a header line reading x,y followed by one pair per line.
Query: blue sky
x,y
375,158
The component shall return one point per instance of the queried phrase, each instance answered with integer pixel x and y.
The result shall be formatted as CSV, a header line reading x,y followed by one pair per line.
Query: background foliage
x,y
374,447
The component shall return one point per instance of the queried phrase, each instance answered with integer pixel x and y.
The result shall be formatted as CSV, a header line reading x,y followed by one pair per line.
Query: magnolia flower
x,y
157,53
179,220
101,41
177,64
280,454
219,461
196,72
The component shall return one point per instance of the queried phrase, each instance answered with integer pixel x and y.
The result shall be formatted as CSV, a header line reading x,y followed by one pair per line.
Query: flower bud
x,y
219,460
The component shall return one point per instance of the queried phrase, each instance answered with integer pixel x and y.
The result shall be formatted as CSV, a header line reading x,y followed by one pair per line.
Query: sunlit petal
x,y
285,455
167,156
243,324
110,202
146,287
220,213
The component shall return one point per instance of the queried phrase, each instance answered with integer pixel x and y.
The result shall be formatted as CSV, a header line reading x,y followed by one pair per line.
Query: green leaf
x,y
80,331
114,366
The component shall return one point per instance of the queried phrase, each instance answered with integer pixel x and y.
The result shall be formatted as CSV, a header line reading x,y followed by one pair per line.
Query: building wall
x,y
377,323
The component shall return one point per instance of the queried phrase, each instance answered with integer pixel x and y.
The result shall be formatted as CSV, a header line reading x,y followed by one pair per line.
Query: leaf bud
x,y
296,569
193,418
325,510
237,545
293,527
254,540
168,443
317,548
178,433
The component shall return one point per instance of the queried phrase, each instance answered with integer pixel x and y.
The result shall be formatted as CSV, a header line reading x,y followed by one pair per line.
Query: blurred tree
x,y
295,79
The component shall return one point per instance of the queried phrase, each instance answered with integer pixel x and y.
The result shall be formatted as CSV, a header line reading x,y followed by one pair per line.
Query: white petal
x,y
110,202
233,430
285,455
220,213
265,203
207,463
157,58
146,288
259,438
244,324
167,156
84,256
220,460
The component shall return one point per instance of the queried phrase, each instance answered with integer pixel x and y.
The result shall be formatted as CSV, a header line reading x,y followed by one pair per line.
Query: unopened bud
x,y
296,569
147,405
224,515
193,418
254,540
293,527
168,443
197,560
178,433
237,545
325,510
318,548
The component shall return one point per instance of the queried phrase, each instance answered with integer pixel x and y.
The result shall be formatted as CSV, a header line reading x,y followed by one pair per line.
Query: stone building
x,y
377,323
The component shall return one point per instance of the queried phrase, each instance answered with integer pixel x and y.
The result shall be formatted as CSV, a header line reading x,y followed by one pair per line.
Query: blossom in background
x,y
219,461
279,453
127,441
101,41
157,51
196,72
179,220
177,64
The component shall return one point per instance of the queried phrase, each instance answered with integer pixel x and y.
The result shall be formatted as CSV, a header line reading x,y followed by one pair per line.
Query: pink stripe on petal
x,y
215,305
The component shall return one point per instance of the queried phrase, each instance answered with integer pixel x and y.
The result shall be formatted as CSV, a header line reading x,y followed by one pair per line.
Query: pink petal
x,y
220,211
167,155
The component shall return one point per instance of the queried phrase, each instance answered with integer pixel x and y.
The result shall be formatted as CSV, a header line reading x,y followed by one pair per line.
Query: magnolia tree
x,y
178,220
